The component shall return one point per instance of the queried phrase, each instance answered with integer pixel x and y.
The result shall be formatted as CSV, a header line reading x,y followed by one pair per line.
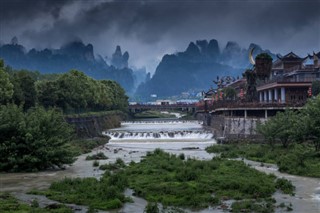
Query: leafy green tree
x,y
47,93
280,127
24,89
76,92
118,95
6,87
268,129
251,85
311,122
34,140
285,122
315,88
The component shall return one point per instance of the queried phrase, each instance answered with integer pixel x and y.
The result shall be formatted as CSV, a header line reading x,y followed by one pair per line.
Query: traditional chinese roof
x,y
314,54
209,92
291,57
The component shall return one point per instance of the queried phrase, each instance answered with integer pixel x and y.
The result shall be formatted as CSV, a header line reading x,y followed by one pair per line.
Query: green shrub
x,y
83,146
251,206
98,156
152,208
95,163
106,193
181,156
296,159
168,179
119,164
285,186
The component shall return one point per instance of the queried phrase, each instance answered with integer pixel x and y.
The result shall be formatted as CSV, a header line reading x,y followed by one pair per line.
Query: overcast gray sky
x,y
151,28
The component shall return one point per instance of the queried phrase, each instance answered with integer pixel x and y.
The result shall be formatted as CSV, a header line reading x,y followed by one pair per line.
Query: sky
x,y
150,29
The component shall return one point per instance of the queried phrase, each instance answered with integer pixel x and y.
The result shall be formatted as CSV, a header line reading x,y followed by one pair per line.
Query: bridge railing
x,y
238,104
151,106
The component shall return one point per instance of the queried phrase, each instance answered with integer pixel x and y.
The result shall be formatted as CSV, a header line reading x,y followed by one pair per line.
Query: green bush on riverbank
x,y
9,204
104,194
153,114
172,181
83,146
169,180
296,159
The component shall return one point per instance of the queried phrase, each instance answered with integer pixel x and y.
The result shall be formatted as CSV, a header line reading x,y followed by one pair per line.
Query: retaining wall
x,y
231,127
92,126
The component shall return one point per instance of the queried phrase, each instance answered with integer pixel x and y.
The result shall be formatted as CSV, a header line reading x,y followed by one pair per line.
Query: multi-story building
x,y
290,79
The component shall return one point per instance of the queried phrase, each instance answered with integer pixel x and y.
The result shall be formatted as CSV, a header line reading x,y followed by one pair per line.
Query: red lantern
x,y
309,92
241,93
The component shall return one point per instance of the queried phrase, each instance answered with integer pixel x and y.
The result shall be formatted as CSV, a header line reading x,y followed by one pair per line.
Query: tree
x,y
284,123
33,140
311,122
268,129
24,89
280,127
6,87
251,90
47,93
76,92
315,88
118,95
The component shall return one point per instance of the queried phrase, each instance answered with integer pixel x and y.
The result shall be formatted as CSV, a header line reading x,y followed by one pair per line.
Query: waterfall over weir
x,y
176,135
166,121
159,131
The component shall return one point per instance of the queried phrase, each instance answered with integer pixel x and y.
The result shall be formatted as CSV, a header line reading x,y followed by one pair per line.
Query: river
x,y
133,140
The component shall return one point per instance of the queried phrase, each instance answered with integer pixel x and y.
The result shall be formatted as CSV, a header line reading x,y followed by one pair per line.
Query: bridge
x,y
184,107
247,109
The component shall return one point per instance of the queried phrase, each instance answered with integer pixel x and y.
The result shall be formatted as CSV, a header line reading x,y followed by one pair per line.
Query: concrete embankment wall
x,y
92,126
231,127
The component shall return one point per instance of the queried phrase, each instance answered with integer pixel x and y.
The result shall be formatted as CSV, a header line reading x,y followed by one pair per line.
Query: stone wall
x,y
242,127
92,126
231,127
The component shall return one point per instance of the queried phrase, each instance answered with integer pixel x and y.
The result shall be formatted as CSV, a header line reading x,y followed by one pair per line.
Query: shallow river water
x,y
133,140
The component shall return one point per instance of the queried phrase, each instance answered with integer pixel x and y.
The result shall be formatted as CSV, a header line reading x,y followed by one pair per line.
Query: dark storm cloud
x,y
18,10
172,23
150,20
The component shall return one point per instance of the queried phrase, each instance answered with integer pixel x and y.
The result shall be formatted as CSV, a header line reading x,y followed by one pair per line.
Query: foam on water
x,y
157,122
159,136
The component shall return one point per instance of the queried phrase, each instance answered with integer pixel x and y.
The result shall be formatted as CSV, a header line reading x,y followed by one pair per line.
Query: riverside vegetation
x,y
173,181
8,203
34,135
152,114
292,141
33,132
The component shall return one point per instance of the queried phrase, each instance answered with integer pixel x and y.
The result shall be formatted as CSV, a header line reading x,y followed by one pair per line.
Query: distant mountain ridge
x,y
194,69
191,70
73,55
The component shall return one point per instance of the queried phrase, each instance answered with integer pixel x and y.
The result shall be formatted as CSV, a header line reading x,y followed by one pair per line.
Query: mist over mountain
x,y
189,71
73,55
118,59
194,69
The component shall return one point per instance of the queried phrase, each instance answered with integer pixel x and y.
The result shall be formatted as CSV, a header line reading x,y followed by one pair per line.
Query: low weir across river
x,y
157,131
